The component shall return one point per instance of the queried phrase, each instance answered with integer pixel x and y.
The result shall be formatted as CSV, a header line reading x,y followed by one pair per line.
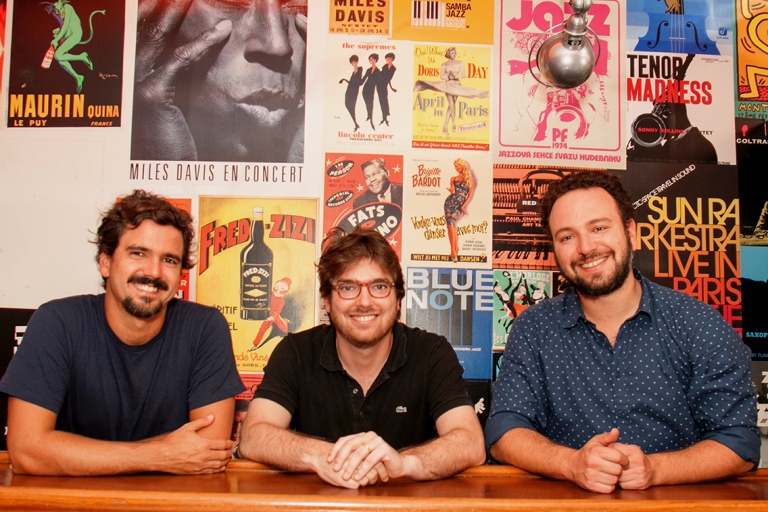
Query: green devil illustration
x,y
69,35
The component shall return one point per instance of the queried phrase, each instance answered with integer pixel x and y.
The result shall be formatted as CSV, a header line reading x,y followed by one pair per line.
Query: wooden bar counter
x,y
248,486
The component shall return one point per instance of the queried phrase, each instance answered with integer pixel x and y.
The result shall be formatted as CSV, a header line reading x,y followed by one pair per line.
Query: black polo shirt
x,y
420,381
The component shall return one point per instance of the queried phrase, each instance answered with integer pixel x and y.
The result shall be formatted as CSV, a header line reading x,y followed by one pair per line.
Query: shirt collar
x,y
572,310
398,355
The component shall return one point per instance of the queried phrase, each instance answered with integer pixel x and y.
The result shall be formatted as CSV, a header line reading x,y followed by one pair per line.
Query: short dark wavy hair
x,y
584,180
131,210
342,249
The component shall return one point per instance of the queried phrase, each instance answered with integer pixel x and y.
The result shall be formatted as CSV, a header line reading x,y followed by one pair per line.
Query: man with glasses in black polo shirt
x,y
365,399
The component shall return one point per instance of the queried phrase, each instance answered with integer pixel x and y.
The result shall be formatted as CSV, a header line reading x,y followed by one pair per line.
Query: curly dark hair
x,y
583,180
131,210
342,249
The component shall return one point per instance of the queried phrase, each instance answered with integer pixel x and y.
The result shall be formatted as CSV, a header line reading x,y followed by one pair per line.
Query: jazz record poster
x,y
66,64
237,96
371,17
752,150
513,292
264,286
752,59
367,94
542,125
456,303
519,241
676,104
672,26
467,21
687,219
364,190
448,194
451,97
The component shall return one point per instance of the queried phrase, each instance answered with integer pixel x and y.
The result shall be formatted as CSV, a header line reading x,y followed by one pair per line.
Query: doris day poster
x,y
286,289
451,97
448,219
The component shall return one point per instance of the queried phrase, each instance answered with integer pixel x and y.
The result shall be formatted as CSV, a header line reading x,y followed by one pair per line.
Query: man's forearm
x,y
444,456
283,448
63,453
531,451
703,461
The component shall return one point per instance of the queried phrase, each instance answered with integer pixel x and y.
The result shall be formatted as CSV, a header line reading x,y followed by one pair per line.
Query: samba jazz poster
x,y
582,126
443,21
688,231
676,107
451,97
367,94
752,59
364,191
256,265
66,63
458,304
449,216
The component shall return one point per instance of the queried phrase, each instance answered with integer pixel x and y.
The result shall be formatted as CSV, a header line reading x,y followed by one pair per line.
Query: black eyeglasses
x,y
351,289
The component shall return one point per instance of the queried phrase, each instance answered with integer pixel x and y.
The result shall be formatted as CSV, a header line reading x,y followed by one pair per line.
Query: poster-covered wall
x,y
337,113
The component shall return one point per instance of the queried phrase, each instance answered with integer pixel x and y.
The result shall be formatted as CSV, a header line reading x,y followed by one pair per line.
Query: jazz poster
x,y
367,94
364,190
287,277
443,21
688,231
539,124
66,64
519,241
677,105
752,59
513,292
451,97
448,219
456,303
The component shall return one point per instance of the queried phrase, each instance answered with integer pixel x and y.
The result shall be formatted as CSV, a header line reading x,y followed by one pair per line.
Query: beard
x,y
144,308
598,287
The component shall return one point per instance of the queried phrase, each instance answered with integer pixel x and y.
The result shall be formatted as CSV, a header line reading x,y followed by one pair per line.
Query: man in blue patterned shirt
x,y
619,381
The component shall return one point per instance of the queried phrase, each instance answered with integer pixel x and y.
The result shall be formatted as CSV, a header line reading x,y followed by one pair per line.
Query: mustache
x,y
592,256
149,281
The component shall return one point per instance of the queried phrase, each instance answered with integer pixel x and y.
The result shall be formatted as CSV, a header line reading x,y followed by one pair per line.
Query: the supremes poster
x,y
256,265
543,125
66,63
367,94
451,104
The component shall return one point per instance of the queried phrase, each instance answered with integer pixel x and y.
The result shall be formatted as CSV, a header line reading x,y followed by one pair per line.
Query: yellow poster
x,y
369,17
451,104
256,265
469,21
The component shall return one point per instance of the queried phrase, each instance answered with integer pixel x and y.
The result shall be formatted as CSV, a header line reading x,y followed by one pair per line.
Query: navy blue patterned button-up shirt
x,y
677,374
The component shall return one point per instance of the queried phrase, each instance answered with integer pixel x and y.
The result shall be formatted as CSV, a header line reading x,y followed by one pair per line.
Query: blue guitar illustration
x,y
677,26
